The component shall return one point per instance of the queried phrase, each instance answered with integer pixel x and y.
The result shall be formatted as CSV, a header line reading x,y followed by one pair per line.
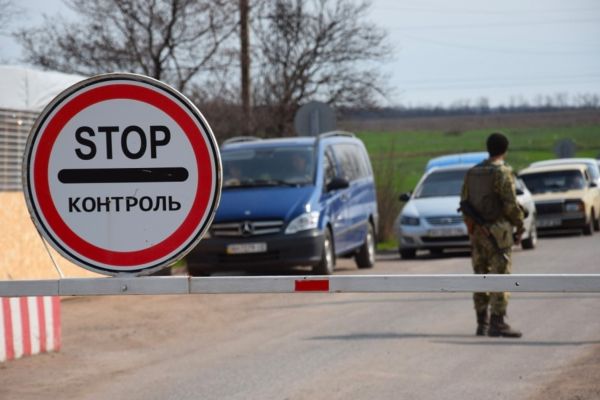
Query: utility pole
x,y
245,66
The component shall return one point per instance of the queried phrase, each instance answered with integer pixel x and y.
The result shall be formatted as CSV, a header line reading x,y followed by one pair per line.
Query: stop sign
x,y
122,174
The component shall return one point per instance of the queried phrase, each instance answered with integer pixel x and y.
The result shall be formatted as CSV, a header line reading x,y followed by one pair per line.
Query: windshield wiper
x,y
276,182
262,182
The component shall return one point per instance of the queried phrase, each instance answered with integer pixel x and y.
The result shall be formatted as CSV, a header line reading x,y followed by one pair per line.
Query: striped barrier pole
x,y
29,325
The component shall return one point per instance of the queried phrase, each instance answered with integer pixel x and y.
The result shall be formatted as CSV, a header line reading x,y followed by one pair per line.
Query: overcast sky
x,y
449,51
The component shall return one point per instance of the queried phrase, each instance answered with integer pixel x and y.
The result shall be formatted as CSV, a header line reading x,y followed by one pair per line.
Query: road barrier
x,y
29,325
30,320
163,285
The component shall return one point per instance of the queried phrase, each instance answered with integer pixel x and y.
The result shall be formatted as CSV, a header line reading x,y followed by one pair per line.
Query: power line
x,y
504,50
474,11
491,85
436,8
546,78
494,25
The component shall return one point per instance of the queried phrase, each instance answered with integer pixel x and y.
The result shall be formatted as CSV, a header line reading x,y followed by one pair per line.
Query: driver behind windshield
x,y
233,174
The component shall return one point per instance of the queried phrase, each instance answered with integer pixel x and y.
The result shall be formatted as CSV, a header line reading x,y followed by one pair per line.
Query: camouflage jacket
x,y
512,214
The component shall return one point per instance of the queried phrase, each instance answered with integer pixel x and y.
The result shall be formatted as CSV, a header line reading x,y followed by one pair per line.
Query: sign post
x,y
122,174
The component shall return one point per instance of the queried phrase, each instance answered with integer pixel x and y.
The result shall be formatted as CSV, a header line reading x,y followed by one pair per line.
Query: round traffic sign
x,y
122,174
314,118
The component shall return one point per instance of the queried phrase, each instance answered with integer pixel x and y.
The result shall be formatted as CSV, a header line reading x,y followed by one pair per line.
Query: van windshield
x,y
442,183
284,166
554,181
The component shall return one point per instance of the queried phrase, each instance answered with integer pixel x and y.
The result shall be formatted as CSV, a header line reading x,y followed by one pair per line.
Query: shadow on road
x,y
520,342
477,342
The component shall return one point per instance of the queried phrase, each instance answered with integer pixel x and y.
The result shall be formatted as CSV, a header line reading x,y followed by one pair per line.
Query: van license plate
x,y
246,248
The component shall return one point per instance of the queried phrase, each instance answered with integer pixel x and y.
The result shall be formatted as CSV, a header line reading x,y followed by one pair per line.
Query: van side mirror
x,y
520,191
593,184
404,197
337,183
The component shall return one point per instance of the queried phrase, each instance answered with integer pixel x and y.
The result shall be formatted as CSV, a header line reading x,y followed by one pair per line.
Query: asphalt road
x,y
324,346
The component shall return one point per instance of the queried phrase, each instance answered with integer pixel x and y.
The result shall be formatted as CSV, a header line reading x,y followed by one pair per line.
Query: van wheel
x,y
365,258
589,228
596,221
531,241
327,263
407,254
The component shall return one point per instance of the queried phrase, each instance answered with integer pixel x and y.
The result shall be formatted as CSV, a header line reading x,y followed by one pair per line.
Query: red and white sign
x,y
122,174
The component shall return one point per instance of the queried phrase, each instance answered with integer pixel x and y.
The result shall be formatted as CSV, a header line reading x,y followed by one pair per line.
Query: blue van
x,y
286,202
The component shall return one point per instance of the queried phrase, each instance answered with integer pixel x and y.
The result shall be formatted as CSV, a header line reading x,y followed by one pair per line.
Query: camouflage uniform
x,y
503,213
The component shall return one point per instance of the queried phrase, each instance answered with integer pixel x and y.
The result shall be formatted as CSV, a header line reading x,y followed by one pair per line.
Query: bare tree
x,y
8,11
315,50
170,40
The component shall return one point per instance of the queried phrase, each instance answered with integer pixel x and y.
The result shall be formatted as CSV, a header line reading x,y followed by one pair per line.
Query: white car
x,y
430,220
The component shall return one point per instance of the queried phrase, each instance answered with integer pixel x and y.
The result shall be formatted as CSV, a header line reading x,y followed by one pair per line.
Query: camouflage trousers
x,y
487,260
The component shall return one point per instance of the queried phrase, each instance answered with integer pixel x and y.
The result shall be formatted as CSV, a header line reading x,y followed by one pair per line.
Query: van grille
x,y
248,258
246,228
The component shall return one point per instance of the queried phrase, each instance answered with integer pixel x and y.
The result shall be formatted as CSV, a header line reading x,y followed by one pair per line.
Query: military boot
x,y
500,328
483,323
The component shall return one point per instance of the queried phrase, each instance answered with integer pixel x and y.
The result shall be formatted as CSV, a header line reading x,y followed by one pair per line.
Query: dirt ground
x,y
578,381
108,327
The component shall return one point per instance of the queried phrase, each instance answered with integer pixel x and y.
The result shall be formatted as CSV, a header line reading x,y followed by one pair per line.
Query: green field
x,y
399,158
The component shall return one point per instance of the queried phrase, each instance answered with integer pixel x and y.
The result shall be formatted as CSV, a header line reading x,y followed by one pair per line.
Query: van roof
x,y
256,142
273,142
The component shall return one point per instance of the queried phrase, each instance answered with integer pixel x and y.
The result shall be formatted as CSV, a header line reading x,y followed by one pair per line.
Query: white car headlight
x,y
303,222
409,220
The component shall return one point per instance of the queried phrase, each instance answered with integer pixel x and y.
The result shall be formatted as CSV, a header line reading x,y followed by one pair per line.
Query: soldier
x,y
489,190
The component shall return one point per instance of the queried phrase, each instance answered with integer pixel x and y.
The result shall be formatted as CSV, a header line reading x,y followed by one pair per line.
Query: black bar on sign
x,y
122,175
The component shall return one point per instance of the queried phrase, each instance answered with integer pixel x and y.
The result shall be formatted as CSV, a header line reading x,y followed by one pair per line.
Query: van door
x,y
354,228
334,202
360,194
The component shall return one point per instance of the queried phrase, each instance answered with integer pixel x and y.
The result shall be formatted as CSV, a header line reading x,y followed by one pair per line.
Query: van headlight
x,y
409,220
303,222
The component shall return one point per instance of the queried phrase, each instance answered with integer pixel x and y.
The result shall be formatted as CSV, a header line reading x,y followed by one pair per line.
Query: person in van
x,y
233,175
300,166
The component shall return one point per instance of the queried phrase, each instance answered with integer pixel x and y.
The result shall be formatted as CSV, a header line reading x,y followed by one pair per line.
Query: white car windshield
x,y
442,183
283,166
553,181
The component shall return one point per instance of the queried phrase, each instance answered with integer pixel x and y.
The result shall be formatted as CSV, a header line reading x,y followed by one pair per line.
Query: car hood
x,y
433,206
570,194
263,203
